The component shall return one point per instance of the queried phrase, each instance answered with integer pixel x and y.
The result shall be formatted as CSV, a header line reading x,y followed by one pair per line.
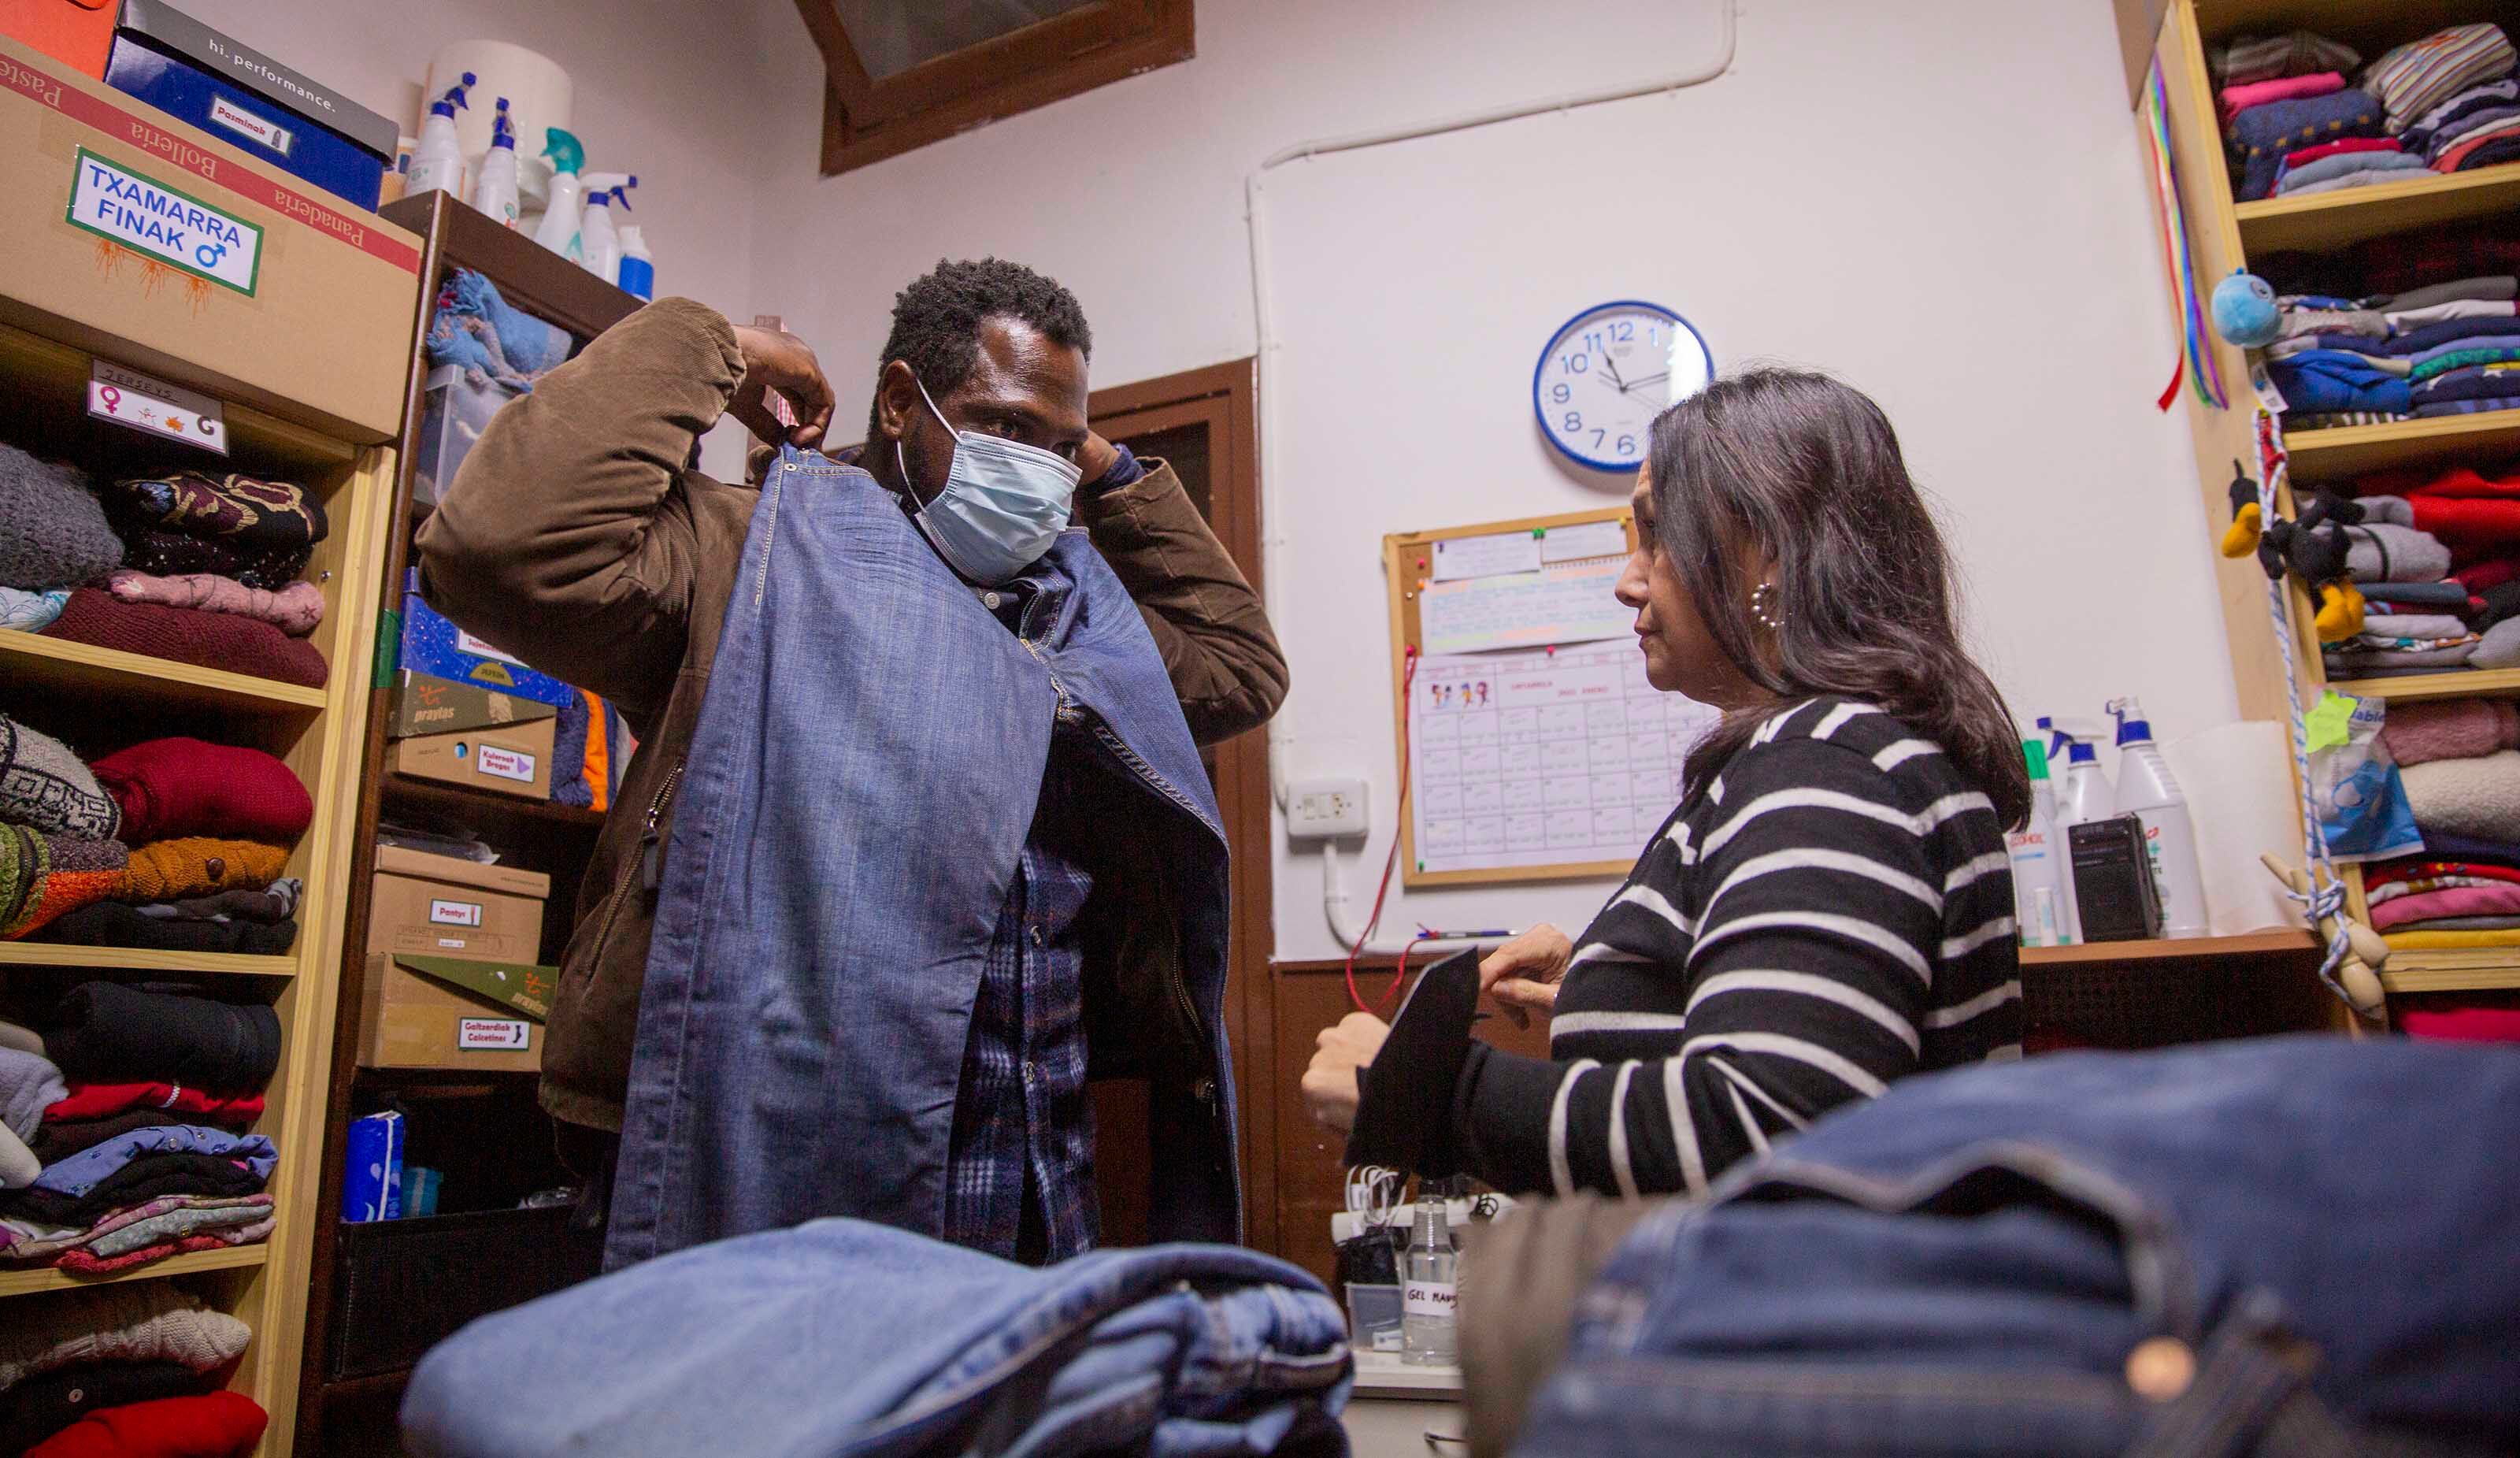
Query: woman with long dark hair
x,y
1830,906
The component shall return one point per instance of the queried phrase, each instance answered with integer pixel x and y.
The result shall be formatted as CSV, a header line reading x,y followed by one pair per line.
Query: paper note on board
x,y
1570,604
1486,556
1521,760
1584,539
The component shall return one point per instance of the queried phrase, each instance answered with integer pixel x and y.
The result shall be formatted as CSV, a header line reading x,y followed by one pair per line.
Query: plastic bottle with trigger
x,y
494,192
437,163
559,228
600,247
2148,789
2042,895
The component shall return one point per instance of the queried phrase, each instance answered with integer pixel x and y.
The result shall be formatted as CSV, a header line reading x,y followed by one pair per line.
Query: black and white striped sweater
x,y
1832,912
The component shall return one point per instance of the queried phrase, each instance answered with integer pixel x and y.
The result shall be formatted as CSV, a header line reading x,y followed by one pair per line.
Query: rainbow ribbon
x,y
2204,375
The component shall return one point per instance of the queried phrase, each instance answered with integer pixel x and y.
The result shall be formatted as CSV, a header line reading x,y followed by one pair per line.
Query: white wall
x,y
1944,204
651,81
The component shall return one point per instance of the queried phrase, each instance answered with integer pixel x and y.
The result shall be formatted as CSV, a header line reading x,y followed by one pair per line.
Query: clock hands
x,y
1611,365
1648,380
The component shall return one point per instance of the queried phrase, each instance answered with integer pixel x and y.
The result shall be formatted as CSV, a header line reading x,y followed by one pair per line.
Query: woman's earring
x,y
1763,606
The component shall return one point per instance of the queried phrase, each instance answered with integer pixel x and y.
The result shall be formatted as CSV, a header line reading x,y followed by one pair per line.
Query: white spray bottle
x,y
494,192
638,277
2148,789
600,247
2087,794
560,224
2041,879
437,165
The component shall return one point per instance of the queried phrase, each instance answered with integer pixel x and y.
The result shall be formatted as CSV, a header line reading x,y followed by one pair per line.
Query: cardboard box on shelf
x,y
444,906
157,245
192,73
76,32
431,644
425,704
516,760
416,1021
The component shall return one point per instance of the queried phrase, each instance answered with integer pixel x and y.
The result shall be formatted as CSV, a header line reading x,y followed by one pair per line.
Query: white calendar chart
x,y
1536,758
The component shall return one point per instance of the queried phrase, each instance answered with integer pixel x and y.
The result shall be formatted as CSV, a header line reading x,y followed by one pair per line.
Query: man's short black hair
x,y
936,320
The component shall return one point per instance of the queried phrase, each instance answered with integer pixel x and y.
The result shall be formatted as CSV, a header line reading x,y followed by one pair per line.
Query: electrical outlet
x,y
1325,810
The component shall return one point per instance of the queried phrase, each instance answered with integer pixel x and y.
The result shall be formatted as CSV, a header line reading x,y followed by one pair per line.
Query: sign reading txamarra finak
x,y
148,217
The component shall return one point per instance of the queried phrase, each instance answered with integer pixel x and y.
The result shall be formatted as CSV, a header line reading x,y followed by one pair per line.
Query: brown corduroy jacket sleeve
x,y
567,537
1208,624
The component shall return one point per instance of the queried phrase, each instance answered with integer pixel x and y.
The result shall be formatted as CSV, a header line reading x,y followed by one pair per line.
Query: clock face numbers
x,y
1608,374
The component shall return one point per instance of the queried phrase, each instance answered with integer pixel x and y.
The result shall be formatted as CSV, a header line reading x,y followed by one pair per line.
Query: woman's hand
x,y
1522,975
775,360
1342,1052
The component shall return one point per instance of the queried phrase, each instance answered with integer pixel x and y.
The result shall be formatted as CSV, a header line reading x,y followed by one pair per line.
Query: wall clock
x,y
1609,372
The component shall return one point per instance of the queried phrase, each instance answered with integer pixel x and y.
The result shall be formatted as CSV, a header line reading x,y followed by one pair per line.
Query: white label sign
x,y
1428,1298
455,913
466,643
244,123
507,764
115,202
128,397
499,1034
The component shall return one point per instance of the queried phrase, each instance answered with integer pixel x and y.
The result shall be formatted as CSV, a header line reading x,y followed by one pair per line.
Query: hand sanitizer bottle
x,y
1430,1314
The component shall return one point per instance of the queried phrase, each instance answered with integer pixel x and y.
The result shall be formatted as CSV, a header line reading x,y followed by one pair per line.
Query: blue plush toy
x,y
2244,310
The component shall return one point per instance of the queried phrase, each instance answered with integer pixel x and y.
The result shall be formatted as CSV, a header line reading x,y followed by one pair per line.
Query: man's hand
x,y
1331,1085
1094,458
1522,975
780,361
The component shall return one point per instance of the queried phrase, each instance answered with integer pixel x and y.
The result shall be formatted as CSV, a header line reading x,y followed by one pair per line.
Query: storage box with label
x,y
453,414
76,32
192,73
513,760
445,906
435,646
184,254
455,1012
425,704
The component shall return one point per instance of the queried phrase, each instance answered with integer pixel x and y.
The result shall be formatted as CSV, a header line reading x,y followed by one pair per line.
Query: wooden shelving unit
x,y
98,699
339,1410
2188,949
2224,237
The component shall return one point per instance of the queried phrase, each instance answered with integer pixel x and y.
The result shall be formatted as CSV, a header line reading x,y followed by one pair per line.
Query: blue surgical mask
x,y
1004,502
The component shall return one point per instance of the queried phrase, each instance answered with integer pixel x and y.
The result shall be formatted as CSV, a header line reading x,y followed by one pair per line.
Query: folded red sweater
x,y
188,635
188,787
220,1425
97,1100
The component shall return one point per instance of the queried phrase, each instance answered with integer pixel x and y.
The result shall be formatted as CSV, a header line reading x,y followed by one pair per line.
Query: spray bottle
x,y
2041,887
438,163
599,246
2088,794
559,230
638,270
494,192
2148,789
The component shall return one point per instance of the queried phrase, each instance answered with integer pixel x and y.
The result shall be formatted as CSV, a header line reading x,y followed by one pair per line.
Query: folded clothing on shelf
x,y
2261,137
53,532
270,526
2331,380
2234,100
2419,75
102,1099
43,785
199,866
45,1404
44,878
2450,729
29,1083
167,788
2479,795
88,1261
2265,57
25,612
142,1180
2458,1019
56,1139
2338,174
2377,552
140,1321
186,635
2494,899
213,1425
2458,113
137,1227
107,1031
296,610
83,1171
119,924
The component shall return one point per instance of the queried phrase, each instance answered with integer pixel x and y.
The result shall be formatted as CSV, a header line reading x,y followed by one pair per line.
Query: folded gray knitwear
x,y
2380,551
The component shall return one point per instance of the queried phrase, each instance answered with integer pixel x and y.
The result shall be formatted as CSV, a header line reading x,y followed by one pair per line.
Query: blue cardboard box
x,y
433,644
192,73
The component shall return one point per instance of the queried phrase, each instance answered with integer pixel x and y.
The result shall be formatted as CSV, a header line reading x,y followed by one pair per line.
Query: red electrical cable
x,y
1391,862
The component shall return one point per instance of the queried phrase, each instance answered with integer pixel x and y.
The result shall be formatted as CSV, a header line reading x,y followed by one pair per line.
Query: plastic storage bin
x,y
1373,1318
454,411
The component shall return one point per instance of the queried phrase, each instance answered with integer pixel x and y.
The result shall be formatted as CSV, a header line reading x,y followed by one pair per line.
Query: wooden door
x,y
1202,424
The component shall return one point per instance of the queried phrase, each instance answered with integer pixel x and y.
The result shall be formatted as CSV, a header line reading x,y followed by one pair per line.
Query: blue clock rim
x,y
1539,417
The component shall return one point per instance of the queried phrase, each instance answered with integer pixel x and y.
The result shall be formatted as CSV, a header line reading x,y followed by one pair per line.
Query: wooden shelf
x,y
143,959
235,1258
39,661
2351,450
2458,683
2453,970
454,800
2247,945
2325,221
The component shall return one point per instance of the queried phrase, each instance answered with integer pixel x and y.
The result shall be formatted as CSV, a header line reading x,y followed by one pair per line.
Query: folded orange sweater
x,y
199,866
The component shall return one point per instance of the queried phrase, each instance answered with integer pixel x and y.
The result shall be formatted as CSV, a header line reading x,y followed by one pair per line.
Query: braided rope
x,y
2326,899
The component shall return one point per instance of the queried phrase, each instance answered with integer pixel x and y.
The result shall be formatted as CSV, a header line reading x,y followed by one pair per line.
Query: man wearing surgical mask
x,y
917,825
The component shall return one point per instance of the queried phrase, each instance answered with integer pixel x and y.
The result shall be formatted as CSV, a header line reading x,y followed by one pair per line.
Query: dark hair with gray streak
x,y
1809,469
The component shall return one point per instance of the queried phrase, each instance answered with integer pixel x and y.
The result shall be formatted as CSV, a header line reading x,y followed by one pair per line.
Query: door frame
x,y
1224,398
